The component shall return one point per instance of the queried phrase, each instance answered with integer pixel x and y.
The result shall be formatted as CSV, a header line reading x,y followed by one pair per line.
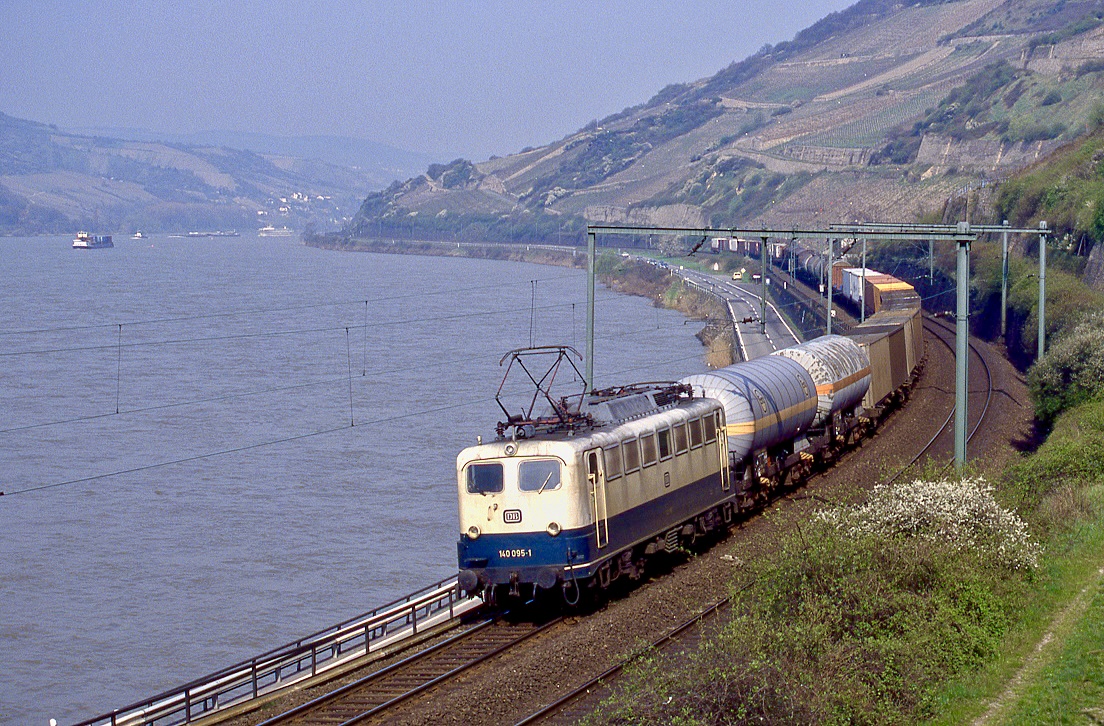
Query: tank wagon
x,y
583,495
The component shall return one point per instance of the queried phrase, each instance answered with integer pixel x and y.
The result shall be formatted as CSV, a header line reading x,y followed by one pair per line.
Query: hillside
x,y
379,163
878,112
54,181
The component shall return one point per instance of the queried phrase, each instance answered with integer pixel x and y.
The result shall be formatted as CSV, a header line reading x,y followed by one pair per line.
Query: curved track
x,y
945,334
572,707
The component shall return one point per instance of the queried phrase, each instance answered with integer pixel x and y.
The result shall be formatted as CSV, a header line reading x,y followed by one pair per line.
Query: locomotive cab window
x,y
539,475
485,478
710,425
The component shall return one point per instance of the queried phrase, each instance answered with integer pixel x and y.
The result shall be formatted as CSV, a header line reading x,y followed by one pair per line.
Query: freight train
x,y
864,289
584,495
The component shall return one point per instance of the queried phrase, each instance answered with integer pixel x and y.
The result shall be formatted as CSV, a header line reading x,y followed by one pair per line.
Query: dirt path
x,y
1044,652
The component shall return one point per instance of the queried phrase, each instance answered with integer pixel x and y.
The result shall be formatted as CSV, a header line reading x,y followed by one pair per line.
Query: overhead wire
x,y
254,335
436,363
288,308
238,449
276,333
233,450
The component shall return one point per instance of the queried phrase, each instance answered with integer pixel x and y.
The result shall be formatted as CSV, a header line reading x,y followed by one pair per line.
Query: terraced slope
x,y
853,118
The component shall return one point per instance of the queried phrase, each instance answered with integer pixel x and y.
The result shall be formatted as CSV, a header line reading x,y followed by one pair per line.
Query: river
x,y
283,451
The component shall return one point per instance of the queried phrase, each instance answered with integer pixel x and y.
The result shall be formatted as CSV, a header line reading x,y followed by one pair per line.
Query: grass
x,y
1073,562
1074,683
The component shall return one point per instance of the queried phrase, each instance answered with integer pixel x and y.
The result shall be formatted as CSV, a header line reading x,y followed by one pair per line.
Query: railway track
x,y
371,696
582,700
945,334
374,698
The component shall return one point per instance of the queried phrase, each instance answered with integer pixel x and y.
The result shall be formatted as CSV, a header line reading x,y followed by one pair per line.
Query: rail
x,y
297,661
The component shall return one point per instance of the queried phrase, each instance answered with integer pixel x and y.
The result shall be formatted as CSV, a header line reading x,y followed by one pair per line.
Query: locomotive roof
x,y
550,443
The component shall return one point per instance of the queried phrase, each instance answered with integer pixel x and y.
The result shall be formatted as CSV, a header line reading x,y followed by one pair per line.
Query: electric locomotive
x,y
559,503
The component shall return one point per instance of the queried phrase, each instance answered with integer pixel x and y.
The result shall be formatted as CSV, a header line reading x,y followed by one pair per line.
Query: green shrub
x,y
1072,371
1071,458
1051,98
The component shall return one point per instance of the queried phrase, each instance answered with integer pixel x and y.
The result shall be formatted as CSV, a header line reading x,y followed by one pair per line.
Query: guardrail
x,y
296,661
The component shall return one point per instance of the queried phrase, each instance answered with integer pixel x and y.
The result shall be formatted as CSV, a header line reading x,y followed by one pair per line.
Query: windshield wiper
x,y
546,480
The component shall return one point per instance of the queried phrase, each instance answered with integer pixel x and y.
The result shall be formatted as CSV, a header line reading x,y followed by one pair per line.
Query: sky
x,y
469,79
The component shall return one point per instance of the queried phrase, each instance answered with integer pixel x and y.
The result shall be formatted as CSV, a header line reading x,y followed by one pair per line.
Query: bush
x,y
960,514
1072,458
1072,371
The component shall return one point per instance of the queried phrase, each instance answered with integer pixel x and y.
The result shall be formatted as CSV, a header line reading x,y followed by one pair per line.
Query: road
x,y
744,304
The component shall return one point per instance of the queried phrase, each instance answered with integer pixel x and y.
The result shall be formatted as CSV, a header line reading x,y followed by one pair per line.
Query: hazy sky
x,y
469,78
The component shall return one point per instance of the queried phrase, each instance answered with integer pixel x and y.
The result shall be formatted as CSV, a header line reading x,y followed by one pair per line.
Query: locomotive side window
x,y
663,436
681,443
695,433
484,478
632,456
539,475
648,449
613,462
710,424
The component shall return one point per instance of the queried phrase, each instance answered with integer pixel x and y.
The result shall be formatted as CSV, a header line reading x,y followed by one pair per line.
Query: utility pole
x,y
828,284
931,262
862,293
962,345
591,244
1004,284
1042,290
763,280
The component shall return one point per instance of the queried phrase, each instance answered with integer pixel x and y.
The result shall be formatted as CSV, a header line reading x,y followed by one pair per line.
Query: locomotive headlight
x,y
473,532
552,529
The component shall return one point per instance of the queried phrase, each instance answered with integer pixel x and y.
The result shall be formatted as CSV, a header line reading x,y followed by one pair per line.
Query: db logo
x,y
511,516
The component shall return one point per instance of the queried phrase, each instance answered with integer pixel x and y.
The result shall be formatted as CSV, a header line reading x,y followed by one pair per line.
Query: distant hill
x,y
380,163
882,111
57,181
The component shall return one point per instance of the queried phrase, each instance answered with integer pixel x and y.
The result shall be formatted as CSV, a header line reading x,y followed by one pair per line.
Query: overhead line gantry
x,y
962,234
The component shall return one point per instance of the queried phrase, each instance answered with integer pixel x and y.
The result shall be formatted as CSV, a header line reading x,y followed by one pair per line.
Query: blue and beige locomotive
x,y
585,497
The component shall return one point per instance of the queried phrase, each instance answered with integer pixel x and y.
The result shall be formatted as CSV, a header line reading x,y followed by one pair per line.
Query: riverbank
x,y
619,273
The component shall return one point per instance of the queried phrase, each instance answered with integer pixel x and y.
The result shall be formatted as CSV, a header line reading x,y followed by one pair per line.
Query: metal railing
x,y
297,661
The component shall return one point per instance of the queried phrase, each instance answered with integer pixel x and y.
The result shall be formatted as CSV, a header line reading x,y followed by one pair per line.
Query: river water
x,y
283,453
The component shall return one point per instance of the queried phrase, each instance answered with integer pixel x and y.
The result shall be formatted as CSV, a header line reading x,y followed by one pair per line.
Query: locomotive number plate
x,y
505,554
511,516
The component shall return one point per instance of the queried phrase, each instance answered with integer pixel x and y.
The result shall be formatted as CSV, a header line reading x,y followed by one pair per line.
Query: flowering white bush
x,y
960,513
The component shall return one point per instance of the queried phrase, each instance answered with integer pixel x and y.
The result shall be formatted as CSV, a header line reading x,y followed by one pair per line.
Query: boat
x,y
85,241
270,231
138,235
216,233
